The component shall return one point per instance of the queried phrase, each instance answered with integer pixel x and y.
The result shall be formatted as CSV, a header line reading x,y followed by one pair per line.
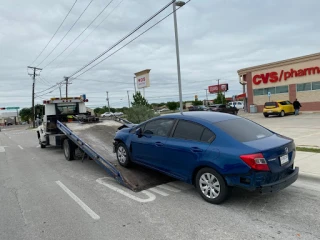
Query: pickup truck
x,y
224,108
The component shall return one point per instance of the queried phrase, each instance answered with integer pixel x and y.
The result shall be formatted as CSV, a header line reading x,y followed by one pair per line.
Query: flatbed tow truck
x,y
68,125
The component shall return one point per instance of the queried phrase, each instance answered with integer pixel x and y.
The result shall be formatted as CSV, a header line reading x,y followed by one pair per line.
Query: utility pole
x,y
128,99
33,86
67,83
206,96
108,101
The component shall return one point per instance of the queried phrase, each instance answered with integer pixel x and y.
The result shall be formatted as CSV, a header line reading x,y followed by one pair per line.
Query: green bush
x,y
139,113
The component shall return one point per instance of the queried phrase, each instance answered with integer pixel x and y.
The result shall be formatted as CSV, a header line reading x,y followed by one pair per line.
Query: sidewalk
x,y
309,164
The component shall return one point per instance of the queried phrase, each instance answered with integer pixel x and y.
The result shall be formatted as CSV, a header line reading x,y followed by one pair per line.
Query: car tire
x,y
68,149
282,113
211,186
266,115
123,155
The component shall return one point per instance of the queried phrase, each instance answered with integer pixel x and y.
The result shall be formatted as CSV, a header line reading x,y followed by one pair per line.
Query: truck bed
x,y
99,136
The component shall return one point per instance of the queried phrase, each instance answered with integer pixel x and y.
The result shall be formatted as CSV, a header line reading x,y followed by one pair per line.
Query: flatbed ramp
x,y
99,137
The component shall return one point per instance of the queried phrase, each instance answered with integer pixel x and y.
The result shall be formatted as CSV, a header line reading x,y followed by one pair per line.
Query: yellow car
x,y
279,108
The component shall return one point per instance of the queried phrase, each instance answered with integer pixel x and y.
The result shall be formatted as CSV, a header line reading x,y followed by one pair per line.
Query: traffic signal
x,y
2,108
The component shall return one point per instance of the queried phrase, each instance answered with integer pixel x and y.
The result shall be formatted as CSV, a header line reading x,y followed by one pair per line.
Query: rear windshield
x,y
243,130
270,104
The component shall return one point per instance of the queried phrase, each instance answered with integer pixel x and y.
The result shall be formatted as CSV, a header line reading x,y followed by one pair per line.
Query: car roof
x,y
202,116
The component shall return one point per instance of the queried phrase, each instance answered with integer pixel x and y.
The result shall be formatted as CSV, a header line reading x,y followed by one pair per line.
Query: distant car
x,y
278,108
107,114
198,108
163,110
9,124
237,104
213,151
224,109
118,114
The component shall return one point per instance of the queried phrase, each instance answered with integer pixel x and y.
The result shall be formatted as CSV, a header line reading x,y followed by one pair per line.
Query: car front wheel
x,y
266,115
211,186
123,155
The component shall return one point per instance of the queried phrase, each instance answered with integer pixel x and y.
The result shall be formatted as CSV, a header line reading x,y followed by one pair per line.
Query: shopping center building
x,y
296,78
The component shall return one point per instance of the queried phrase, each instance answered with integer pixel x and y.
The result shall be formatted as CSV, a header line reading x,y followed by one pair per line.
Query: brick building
x,y
284,80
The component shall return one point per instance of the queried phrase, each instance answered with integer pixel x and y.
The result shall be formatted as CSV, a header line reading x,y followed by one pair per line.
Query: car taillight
x,y
256,161
277,105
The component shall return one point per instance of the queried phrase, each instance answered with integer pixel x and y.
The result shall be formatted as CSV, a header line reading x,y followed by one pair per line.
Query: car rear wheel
x,y
282,113
211,186
123,155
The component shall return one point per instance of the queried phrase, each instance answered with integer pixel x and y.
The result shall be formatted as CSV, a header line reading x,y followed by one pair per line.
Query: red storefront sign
x,y
218,88
274,77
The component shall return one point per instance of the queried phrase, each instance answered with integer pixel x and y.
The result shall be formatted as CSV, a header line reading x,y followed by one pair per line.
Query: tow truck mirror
x,y
139,132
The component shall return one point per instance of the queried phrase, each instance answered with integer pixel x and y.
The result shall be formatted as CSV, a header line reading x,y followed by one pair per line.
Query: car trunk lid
x,y
278,150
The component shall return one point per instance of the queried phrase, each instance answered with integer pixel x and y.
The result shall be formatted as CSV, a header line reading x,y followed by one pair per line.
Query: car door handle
x,y
196,149
159,144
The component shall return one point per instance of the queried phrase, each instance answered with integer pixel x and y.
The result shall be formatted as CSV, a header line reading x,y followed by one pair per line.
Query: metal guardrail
x,y
91,153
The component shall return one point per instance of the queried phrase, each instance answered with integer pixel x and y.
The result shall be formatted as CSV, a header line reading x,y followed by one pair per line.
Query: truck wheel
x,y
123,155
211,186
41,145
68,148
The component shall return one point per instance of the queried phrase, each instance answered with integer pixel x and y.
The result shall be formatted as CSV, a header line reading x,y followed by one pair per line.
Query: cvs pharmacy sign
x,y
273,77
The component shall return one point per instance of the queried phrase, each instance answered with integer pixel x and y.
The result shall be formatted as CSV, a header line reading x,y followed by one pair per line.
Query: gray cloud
x,y
216,39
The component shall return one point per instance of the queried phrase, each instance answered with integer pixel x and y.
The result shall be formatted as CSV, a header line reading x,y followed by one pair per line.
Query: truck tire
x,y
68,149
123,155
211,186
41,144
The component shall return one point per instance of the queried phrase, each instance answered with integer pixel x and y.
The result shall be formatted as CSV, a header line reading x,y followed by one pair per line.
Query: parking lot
x,y
304,128
47,197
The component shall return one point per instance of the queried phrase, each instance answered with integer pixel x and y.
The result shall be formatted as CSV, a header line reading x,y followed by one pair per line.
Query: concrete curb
x,y
309,176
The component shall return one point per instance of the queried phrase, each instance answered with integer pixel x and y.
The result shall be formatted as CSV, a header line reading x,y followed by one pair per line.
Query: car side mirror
x,y
139,132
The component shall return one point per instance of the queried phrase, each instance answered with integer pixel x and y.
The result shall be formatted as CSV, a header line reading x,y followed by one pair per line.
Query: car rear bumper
x,y
281,184
271,113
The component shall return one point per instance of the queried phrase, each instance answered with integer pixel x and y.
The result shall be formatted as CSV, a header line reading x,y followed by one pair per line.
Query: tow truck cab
x,y
64,110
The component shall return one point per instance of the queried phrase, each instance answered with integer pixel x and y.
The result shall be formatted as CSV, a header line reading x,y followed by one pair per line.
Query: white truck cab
x,y
64,110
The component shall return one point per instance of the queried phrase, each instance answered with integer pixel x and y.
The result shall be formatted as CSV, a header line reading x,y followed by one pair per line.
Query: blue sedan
x,y
213,151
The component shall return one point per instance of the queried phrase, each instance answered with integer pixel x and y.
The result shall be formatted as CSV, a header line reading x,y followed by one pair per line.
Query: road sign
x,y
269,94
12,108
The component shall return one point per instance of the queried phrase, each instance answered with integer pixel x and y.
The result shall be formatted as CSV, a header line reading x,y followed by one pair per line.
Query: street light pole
x,y
206,96
108,101
128,99
134,84
179,4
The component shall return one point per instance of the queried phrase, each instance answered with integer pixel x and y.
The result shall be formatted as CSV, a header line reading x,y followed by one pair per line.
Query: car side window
x,y
283,103
188,131
207,136
222,106
159,127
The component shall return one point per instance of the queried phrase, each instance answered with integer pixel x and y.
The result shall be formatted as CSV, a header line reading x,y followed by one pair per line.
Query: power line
x,y
121,40
59,64
80,34
66,33
127,43
54,33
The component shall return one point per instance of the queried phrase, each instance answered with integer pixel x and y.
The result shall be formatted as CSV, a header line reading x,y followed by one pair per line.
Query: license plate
x,y
284,159
269,111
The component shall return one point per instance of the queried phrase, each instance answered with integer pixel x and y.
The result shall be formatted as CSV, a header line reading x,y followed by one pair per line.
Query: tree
x,y
26,114
97,110
138,99
139,113
220,99
197,103
172,105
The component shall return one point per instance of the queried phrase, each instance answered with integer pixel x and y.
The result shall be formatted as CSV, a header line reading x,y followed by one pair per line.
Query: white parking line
x,y
158,191
20,147
169,188
151,197
2,149
78,200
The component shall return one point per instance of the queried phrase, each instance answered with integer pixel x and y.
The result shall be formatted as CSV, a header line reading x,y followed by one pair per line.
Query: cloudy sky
x,y
217,37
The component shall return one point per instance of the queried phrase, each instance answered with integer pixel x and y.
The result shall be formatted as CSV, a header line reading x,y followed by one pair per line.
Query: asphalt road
x,y
43,196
